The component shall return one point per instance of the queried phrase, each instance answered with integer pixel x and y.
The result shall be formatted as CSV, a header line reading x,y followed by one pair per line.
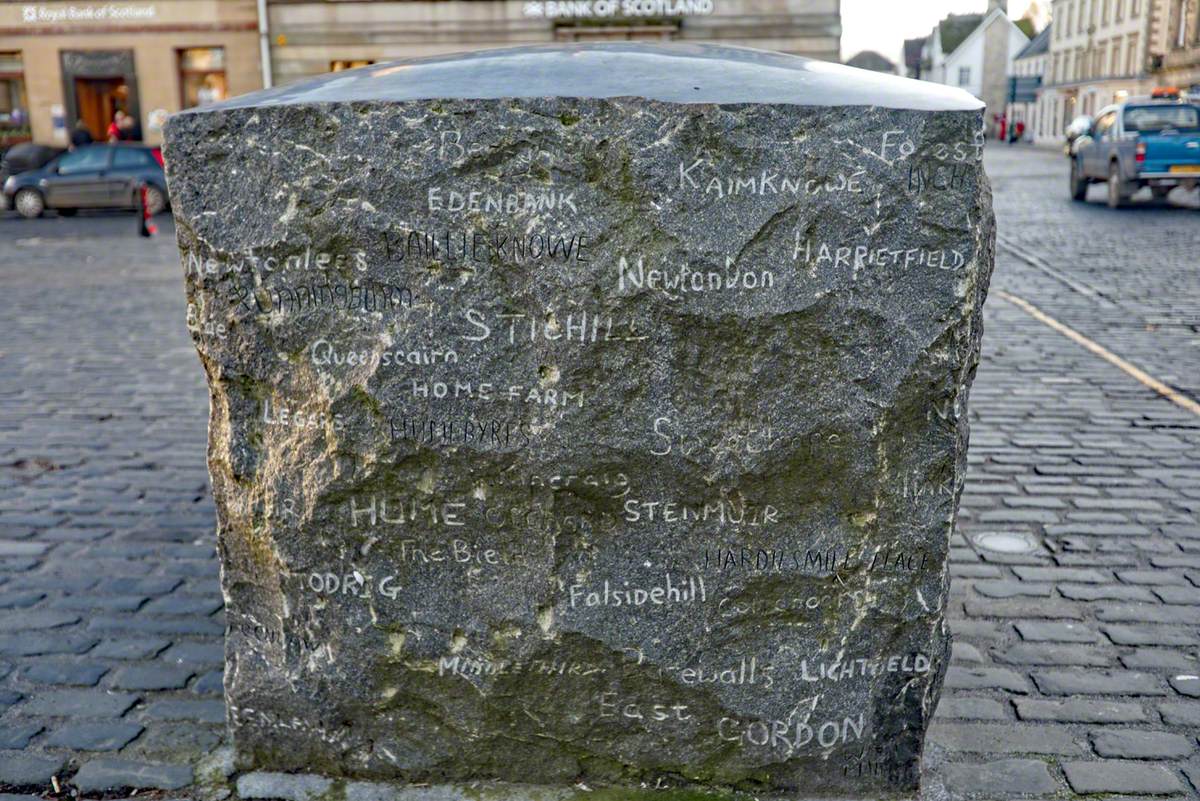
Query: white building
x,y
975,52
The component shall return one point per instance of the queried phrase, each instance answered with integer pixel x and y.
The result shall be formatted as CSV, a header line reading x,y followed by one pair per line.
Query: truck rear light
x,y
1140,153
157,153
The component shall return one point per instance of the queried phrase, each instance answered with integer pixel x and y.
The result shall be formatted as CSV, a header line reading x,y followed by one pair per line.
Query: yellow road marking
x,y
1130,369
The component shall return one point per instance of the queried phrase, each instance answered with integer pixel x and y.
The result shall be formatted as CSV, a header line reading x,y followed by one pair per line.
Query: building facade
x,y
309,37
976,53
1030,67
1099,53
64,64
1175,54
871,60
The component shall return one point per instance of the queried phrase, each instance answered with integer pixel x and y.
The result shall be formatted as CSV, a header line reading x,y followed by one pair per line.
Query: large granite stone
x,y
587,415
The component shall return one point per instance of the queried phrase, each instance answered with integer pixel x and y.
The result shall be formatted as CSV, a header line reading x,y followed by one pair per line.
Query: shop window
x,y
202,76
14,109
349,64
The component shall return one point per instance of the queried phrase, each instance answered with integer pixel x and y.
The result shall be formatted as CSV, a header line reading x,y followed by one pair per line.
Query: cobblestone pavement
x,y
1075,665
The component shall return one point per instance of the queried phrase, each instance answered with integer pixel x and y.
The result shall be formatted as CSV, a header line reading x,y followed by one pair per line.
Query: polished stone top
x,y
671,72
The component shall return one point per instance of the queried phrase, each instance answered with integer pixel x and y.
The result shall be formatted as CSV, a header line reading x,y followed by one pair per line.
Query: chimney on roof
x,y
1000,4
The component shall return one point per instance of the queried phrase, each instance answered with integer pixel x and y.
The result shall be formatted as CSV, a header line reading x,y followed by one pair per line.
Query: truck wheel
x,y
1079,184
1117,196
29,203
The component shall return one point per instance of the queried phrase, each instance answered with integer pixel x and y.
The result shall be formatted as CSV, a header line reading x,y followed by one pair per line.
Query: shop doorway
x,y
97,84
99,99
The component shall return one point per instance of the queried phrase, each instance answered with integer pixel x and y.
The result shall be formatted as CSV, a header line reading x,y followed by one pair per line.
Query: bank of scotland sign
x,y
558,9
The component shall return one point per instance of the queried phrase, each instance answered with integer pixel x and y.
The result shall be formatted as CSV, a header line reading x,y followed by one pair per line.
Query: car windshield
x,y
1153,119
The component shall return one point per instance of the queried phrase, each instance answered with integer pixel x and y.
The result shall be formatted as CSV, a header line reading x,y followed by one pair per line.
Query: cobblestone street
x,y
1076,569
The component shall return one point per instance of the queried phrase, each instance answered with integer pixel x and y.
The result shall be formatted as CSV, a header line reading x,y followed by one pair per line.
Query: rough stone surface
x,y
76,673
94,736
19,769
1135,744
261,784
1006,737
18,735
151,677
586,437
1003,778
174,709
1115,776
115,774
85,703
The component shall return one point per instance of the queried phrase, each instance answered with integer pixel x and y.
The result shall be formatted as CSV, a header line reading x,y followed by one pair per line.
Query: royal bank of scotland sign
x,y
102,12
559,9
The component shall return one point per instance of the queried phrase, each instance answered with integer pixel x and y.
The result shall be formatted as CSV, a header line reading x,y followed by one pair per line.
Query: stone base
x,y
311,787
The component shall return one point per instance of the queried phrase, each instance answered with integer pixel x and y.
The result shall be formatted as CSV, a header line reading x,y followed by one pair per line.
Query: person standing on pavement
x,y
80,136
128,129
113,134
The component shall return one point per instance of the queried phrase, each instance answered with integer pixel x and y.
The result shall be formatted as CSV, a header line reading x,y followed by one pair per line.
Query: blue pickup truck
x,y
1142,141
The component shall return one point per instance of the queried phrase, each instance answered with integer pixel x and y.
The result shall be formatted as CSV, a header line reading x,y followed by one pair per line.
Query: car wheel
x,y
1079,184
29,203
156,200
1117,196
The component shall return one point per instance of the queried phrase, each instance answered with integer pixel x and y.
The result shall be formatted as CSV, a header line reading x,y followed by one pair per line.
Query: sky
x,y
883,25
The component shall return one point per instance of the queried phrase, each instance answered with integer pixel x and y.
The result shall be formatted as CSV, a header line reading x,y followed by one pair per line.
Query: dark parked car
x,y
91,177
22,157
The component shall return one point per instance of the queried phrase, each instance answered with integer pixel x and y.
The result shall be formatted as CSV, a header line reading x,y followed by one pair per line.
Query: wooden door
x,y
98,100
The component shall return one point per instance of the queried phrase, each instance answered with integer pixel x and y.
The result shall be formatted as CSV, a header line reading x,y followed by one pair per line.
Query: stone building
x,y
63,62
309,37
1099,54
1175,54
913,58
871,60
1029,67
975,52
